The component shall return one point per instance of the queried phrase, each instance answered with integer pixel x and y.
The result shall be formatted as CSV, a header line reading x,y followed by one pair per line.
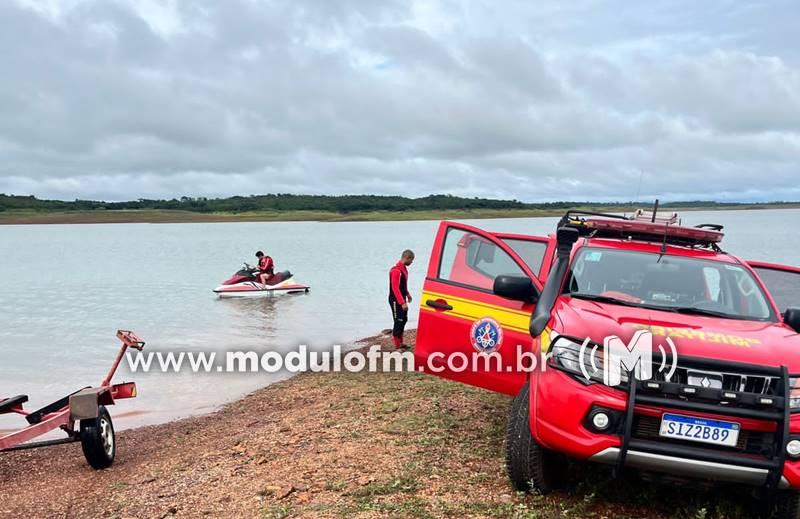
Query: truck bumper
x,y
560,411
688,467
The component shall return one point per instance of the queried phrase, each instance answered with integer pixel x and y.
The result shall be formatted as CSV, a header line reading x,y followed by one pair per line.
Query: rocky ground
x,y
326,445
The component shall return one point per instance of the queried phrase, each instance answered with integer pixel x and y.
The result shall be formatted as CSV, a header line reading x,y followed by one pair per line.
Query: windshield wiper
x,y
694,311
676,309
602,299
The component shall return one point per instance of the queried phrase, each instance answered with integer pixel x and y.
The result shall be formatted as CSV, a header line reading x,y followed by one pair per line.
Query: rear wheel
x,y
530,466
98,440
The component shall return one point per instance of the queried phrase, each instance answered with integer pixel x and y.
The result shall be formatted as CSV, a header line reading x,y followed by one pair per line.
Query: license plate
x,y
701,430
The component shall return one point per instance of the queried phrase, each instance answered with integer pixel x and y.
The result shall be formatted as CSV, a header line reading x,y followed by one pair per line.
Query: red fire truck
x,y
726,411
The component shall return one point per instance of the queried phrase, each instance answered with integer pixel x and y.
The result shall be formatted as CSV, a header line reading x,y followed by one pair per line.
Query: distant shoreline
x,y
27,217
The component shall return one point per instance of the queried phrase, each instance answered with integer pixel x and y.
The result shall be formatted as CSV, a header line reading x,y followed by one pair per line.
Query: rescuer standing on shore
x,y
399,296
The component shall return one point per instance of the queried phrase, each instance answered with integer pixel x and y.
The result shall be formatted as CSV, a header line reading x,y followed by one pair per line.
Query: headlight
x,y
579,360
794,393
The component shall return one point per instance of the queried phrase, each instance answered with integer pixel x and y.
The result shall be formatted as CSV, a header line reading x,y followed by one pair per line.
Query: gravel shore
x,y
323,445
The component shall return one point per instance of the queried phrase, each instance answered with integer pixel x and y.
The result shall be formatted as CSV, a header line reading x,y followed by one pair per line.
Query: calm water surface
x,y
68,288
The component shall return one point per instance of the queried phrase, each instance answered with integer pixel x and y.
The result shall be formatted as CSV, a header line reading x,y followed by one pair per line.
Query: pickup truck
x,y
721,400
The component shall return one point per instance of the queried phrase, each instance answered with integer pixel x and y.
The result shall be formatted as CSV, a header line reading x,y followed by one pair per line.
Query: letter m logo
x,y
636,357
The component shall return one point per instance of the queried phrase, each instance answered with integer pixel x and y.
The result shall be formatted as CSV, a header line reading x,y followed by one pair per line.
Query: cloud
x,y
537,101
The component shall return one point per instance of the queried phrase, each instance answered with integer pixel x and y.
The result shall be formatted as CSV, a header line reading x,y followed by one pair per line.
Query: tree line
x,y
338,204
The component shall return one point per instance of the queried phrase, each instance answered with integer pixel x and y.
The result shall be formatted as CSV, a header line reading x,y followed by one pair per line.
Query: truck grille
x,y
712,387
719,386
741,382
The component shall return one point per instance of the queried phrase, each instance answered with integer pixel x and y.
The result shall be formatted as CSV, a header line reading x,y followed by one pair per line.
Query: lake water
x,y
68,288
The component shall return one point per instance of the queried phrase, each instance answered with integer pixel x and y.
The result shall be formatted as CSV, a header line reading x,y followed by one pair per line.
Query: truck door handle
x,y
439,305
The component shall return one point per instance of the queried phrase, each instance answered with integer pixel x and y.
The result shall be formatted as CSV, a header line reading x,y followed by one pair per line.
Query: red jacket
x,y
398,282
265,265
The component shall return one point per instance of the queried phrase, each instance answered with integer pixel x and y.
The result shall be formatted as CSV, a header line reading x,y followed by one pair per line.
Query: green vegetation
x,y
282,207
273,202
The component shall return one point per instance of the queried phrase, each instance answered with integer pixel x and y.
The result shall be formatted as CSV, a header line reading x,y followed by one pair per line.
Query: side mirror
x,y
517,288
792,318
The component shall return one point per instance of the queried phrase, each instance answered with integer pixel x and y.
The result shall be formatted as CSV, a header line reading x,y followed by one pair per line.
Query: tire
x,y
530,466
787,506
98,440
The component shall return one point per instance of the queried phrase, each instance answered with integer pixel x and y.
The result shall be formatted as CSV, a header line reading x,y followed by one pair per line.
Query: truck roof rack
x,y
643,226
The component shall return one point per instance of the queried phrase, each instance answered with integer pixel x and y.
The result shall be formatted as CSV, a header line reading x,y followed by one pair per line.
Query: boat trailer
x,y
86,407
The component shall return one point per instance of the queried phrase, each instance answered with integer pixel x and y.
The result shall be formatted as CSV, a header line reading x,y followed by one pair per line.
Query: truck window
x,y
712,277
668,282
472,260
784,286
532,252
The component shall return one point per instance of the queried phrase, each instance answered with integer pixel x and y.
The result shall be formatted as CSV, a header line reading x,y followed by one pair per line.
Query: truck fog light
x,y
793,448
601,421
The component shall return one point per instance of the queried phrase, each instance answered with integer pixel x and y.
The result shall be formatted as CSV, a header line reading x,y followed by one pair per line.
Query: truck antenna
x,y
664,243
666,232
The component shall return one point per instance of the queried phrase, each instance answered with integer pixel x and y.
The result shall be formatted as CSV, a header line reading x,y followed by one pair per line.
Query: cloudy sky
x,y
545,100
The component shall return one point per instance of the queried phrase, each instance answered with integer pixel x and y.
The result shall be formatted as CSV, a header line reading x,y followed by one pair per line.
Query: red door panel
x,y
460,316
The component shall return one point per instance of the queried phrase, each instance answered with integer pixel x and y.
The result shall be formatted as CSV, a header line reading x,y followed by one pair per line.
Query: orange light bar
x,y
655,229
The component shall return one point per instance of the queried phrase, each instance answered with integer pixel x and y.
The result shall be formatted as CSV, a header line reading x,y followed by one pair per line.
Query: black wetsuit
x,y
398,296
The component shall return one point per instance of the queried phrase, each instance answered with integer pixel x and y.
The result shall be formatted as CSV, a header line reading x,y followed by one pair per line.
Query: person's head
x,y
259,254
407,258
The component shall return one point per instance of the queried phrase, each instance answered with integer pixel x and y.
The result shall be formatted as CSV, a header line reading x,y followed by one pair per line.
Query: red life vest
x,y
266,266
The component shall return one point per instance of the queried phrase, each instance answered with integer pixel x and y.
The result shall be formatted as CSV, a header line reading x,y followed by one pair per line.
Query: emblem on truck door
x,y
486,335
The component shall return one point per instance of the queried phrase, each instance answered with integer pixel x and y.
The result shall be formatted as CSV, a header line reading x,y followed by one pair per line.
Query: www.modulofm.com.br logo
x,y
612,363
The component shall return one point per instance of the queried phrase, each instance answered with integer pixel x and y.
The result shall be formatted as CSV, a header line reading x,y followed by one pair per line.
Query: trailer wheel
x,y
787,505
98,440
530,466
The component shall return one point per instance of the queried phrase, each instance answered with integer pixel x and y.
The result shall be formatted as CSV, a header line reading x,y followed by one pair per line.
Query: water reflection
x,y
261,316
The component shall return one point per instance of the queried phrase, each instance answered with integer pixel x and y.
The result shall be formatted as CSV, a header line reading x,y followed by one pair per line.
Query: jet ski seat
x,y
9,403
279,277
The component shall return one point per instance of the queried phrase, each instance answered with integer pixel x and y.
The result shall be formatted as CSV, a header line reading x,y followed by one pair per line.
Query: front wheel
x,y
530,466
98,440
786,506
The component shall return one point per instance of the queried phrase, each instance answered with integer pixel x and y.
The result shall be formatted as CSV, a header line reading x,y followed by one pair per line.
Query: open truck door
x,y
783,284
467,331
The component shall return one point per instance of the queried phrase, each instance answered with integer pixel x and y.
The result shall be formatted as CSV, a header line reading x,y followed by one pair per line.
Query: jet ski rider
x,y
266,268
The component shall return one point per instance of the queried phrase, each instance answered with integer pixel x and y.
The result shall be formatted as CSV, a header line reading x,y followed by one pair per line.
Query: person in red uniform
x,y
399,296
266,268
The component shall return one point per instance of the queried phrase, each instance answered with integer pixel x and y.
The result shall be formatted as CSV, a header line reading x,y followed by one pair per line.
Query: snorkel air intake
x,y
565,239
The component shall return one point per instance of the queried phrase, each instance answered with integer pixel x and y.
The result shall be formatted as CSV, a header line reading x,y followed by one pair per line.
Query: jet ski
x,y
245,283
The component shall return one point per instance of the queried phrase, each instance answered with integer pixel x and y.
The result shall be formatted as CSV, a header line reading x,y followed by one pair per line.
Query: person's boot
x,y
397,341
403,346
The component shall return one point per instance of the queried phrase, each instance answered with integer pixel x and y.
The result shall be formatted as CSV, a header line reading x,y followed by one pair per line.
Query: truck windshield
x,y
671,283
